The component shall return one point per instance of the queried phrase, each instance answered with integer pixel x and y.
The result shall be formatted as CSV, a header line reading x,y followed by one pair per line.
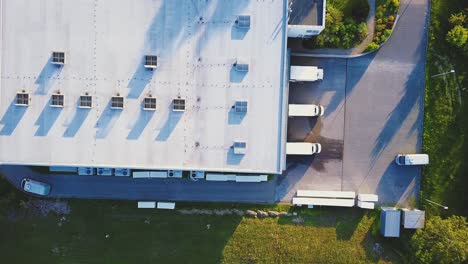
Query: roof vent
x,y
117,102
22,99
58,57
178,105
57,100
243,22
149,103
241,66
151,61
240,148
86,101
240,106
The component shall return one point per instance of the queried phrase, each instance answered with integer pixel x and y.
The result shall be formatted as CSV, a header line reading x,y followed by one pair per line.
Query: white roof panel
x,y
104,47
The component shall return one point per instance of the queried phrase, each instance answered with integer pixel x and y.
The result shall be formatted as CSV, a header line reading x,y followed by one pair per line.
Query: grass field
x,y
445,123
150,236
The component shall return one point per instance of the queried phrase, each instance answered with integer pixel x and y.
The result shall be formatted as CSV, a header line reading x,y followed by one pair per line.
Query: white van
x,y
412,159
35,187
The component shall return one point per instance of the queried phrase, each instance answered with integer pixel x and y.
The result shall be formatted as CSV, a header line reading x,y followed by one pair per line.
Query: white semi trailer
x,y
302,148
305,74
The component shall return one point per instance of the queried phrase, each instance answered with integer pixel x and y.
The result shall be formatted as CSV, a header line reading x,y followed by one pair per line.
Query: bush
x,y
362,30
442,241
371,47
395,4
457,36
380,27
387,33
457,19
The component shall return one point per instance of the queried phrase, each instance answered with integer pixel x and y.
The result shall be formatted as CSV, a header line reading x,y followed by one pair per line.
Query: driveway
x,y
374,105
127,188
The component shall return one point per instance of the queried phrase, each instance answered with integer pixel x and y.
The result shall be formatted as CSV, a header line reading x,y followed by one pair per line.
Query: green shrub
x,y
362,30
442,241
457,36
395,4
457,19
380,27
391,18
387,33
371,47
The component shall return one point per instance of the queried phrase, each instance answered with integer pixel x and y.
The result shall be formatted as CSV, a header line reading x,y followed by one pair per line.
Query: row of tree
x,y
457,36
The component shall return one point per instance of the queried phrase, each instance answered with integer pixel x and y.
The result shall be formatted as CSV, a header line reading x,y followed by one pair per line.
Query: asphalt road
x,y
112,187
381,114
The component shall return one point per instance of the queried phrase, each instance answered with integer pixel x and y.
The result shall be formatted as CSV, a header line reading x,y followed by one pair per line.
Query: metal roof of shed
x,y
390,222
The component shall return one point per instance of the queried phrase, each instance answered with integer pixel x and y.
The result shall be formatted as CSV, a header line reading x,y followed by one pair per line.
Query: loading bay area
x,y
373,111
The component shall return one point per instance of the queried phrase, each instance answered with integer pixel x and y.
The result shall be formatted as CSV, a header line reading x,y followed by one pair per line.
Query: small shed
x,y
390,219
413,219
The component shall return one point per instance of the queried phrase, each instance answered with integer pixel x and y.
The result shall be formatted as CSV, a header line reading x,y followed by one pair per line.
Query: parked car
x,y
35,187
412,159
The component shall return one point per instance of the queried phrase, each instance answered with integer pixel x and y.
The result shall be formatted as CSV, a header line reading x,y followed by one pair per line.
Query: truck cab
x,y
412,159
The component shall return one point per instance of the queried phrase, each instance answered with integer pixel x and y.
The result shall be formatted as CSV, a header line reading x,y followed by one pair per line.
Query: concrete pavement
x,y
379,99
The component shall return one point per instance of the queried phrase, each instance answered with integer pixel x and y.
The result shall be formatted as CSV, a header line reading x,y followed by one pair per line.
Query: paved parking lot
x,y
373,111
322,171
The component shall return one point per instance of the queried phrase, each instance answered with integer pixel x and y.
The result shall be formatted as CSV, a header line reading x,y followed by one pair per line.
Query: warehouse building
x,y
170,85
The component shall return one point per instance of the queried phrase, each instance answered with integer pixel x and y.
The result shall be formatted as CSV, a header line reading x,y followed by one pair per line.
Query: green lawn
x,y
321,236
445,122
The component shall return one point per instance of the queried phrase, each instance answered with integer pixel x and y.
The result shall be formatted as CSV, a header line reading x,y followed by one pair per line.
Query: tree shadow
x,y
49,73
344,220
171,122
78,119
355,70
413,94
398,183
12,117
46,119
140,125
107,120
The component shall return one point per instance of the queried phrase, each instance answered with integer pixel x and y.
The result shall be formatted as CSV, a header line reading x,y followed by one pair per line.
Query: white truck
x,y
305,110
305,74
302,148
412,159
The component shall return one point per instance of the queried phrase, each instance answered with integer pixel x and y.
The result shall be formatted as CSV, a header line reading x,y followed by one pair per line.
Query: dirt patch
x,y
39,208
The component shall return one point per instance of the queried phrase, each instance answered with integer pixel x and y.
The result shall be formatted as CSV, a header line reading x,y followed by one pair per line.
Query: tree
x,y
442,241
457,36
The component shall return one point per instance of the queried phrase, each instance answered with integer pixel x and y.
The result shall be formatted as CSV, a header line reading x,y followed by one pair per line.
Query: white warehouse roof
x,y
196,43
